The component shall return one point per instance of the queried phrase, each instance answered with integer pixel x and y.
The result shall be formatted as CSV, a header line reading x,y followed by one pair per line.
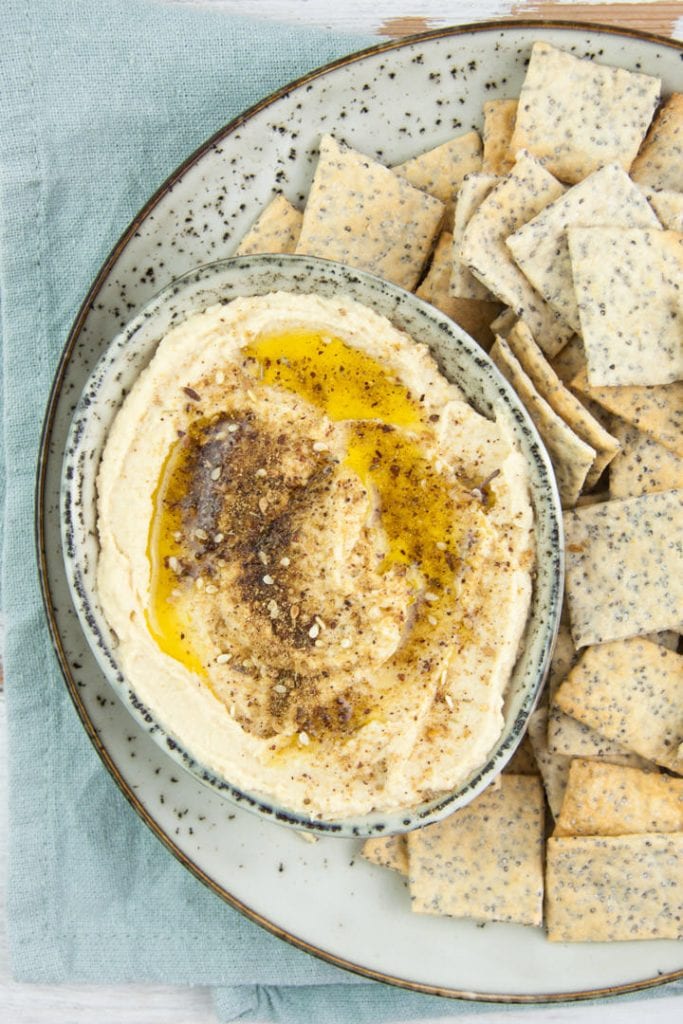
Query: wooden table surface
x,y
158,1004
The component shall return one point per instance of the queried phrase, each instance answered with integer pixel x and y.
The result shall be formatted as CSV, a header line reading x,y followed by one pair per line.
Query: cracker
x,y
486,860
441,171
570,738
642,466
608,800
472,315
362,214
499,124
570,361
571,457
563,401
606,197
630,692
275,230
577,115
657,411
526,190
660,161
624,567
387,852
614,888
473,192
668,206
628,288
554,768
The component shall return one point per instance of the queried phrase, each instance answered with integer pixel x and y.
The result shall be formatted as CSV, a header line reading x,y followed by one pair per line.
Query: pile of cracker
x,y
555,238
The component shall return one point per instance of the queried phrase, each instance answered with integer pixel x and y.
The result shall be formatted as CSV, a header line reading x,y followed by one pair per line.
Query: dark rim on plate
x,y
39,524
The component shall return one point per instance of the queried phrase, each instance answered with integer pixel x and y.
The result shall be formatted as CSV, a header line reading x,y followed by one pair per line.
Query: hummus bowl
x,y
265,698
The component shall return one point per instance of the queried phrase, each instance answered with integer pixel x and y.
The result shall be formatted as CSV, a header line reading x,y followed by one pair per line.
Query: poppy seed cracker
x,y
614,888
441,171
540,249
577,116
628,289
276,229
485,861
361,213
642,466
660,161
630,692
387,852
624,567
523,193
499,124
473,192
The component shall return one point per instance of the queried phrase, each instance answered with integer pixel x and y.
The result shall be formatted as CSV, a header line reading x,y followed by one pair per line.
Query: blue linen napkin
x,y
100,103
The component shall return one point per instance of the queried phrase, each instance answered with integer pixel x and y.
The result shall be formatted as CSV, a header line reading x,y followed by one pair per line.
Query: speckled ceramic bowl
x,y
460,359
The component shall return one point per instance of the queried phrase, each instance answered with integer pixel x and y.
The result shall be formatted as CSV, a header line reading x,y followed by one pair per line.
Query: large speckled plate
x,y
392,102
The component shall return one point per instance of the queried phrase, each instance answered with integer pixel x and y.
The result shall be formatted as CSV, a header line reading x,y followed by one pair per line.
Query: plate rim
x,y
39,521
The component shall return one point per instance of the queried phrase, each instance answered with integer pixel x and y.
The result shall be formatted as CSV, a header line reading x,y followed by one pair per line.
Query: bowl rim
x,y
370,290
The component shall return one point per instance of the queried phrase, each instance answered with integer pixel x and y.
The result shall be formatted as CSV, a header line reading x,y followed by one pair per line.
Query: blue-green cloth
x,y
99,101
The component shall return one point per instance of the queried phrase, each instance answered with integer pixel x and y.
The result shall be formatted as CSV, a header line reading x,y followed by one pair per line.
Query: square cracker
x,y
571,457
642,466
630,692
609,800
387,852
473,315
472,194
275,230
657,411
577,116
606,197
628,289
568,363
624,567
486,860
526,190
563,401
660,161
361,213
441,171
614,888
499,124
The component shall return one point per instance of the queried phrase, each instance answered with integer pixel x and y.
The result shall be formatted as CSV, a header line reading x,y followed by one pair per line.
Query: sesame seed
x,y
320,622
273,609
177,535
346,643
449,701
201,534
233,428
220,377
318,643
431,620
284,561
263,505
251,396
217,538
224,658
261,472
279,688
199,583
314,630
215,473
303,739
211,589
176,593
268,580
174,564
320,446
263,557
431,596
441,545
220,436
233,709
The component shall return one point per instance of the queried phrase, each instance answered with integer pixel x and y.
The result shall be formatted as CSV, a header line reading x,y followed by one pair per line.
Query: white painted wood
x,y
155,1004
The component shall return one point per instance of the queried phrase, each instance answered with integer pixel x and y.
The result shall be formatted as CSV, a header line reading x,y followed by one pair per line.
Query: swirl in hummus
x,y
316,556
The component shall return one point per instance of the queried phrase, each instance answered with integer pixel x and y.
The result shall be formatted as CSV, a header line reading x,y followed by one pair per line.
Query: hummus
x,y
315,555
